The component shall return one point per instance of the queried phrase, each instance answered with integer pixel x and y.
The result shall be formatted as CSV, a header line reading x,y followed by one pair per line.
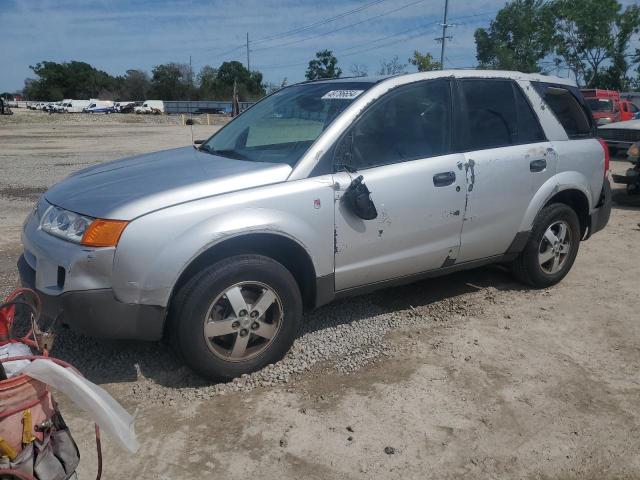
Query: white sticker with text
x,y
341,94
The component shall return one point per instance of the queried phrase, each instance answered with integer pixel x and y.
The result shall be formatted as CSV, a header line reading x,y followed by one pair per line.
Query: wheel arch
x,y
578,201
567,188
283,249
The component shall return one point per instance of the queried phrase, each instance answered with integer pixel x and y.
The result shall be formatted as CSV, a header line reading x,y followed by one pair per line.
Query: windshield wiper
x,y
229,153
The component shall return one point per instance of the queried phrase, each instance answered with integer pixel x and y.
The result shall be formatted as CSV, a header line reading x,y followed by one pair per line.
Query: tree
x,y
323,66
134,85
359,70
68,80
518,38
249,84
170,81
424,62
206,82
392,67
616,75
593,36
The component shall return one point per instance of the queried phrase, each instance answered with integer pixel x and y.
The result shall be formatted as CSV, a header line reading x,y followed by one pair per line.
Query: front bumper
x,y
602,212
74,283
97,312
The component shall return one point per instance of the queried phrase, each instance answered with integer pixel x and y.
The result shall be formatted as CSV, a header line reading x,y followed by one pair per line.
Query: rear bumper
x,y
602,212
97,312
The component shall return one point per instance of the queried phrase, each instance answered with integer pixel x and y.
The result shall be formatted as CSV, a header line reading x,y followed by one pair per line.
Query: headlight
x,y
634,150
89,231
64,224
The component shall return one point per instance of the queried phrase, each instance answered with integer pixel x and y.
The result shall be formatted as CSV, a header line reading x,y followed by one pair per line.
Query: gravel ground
x,y
467,376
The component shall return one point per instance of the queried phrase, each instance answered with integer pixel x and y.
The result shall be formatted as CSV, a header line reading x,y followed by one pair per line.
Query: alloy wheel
x,y
243,321
555,247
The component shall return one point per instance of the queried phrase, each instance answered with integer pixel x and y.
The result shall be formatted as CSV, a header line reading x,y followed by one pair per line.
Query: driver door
x,y
401,146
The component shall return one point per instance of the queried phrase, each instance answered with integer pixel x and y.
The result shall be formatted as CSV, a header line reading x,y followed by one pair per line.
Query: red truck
x,y
608,107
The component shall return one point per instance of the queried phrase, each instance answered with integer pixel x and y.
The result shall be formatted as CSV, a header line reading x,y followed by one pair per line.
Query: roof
x,y
461,73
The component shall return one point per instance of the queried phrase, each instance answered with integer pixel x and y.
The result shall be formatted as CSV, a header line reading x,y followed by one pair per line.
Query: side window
x,y
490,110
571,113
633,107
409,123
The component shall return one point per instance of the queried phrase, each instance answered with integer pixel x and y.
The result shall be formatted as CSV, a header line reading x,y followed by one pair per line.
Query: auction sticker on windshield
x,y
341,94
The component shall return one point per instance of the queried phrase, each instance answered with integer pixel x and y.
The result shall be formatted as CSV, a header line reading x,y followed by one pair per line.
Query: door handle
x,y
444,179
538,165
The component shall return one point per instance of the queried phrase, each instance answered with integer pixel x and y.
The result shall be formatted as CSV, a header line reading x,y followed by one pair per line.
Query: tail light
x,y
606,155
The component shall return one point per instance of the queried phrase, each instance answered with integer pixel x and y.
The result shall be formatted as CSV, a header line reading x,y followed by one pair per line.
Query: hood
x,y
131,187
627,125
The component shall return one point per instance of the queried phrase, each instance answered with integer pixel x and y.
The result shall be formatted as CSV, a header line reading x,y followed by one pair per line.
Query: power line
x,y
375,17
358,52
385,37
318,23
303,28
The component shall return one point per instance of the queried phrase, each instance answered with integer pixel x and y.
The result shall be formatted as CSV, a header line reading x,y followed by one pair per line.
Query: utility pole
x,y
248,63
444,36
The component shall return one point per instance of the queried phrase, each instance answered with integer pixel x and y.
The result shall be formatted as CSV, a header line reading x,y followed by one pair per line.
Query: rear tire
x,y
551,248
236,316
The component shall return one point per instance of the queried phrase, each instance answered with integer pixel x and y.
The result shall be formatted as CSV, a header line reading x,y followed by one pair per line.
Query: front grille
x,y
620,134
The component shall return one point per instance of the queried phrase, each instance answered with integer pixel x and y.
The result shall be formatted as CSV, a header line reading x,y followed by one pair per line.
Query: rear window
x,y
569,108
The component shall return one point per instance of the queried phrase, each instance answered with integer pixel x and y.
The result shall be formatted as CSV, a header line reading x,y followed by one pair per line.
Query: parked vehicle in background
x,y
51,107
628,110
632,176
99,106
320,190
124,107
604,104
620,135
4,107
77,106
151,106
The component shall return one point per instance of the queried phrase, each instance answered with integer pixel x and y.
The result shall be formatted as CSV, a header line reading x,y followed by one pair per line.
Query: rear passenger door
x,y
507,159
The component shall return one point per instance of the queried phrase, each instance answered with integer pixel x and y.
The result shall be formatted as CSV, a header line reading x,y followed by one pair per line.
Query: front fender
x,y
155,249
570,180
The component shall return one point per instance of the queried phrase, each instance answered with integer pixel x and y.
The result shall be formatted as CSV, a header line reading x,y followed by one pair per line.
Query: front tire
x,y
236,316
551,249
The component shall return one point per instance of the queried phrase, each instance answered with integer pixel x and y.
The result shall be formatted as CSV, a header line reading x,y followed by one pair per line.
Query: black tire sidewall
x,y
545,218
206,286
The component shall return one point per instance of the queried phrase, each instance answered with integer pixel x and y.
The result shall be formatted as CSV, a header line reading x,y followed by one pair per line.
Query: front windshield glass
x,y
600,105
282,127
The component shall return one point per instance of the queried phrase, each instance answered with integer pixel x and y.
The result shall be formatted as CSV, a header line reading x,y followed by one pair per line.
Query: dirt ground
x,y
482,379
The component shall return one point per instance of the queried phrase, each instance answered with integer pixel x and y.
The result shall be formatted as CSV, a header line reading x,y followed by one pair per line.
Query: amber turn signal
x,y
103,233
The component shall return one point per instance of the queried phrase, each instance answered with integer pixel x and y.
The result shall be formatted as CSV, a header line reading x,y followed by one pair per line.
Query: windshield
x,y
282,127
600,104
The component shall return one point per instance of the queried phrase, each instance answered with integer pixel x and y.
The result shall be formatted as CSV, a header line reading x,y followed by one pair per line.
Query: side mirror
x,y
358,199
198,142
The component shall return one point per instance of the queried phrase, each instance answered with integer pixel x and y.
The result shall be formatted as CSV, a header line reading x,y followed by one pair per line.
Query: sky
x,y
117,35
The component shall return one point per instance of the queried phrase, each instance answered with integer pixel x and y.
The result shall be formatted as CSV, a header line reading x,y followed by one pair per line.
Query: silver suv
x,y
321,190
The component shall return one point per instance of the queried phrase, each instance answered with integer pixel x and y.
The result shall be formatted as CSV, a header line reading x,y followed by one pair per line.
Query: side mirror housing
x,y
357,198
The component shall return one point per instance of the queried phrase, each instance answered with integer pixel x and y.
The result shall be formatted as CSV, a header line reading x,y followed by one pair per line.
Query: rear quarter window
x,y
569,108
